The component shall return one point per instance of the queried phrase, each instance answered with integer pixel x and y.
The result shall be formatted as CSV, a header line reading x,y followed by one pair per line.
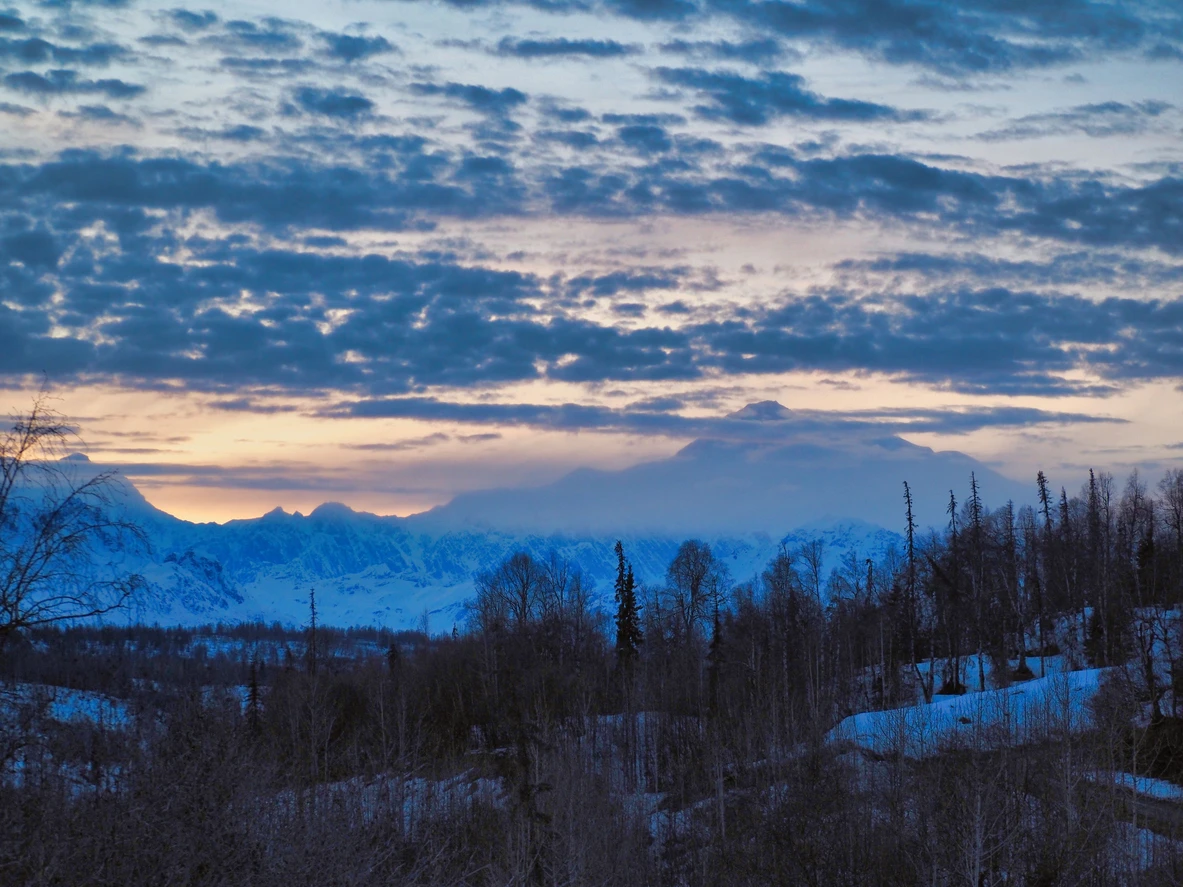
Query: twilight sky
x,y
381,251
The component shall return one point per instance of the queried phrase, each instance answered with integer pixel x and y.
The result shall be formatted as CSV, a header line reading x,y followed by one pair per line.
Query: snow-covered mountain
x,y
762,468
369,570
769,484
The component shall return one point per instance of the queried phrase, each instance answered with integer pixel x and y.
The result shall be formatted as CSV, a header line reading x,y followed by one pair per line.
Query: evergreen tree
x,y
252,699
311,652
910,604
628,620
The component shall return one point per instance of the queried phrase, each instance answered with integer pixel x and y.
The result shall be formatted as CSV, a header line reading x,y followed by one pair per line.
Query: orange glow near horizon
x,y
201,463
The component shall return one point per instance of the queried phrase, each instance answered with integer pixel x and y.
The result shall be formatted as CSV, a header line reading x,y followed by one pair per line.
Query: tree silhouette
x,y
628,618
65,541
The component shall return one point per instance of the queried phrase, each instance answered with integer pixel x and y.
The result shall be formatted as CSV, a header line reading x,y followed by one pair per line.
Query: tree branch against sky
x,y
369,252
66,546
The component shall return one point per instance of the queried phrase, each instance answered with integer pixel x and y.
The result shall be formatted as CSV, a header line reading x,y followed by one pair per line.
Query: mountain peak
x,y
76,457
763,411
332,511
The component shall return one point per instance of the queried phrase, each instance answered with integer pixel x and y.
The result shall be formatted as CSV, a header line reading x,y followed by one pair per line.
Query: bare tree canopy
x,y
697,580
64,543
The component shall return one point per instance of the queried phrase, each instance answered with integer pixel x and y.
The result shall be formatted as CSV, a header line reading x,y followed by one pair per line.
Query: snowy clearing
x,y
1021,713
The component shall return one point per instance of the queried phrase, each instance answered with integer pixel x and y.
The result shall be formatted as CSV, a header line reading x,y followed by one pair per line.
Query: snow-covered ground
x,y
1146,786
1024,712
62,704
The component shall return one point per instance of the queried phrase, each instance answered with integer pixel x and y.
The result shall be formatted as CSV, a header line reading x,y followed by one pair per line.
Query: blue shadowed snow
x,y
1045,707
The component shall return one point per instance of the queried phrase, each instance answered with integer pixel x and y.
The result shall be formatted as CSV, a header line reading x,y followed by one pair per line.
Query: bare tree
x,y
514,591
64,541
697,580
813,555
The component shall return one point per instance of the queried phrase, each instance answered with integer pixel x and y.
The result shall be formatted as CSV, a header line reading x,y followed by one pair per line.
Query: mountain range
x,y
760,480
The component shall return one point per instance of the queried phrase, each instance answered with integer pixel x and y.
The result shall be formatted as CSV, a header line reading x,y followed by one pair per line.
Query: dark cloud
x,y
35,249
755,101
241,132
333,102
416,443
645,138
883,187
11,22
962,37
636,280
34,50
99,114
351,48
643,119
566,115
276,195
994,341
272,35
163,40
266,67
657,421
1096,120
563,47
15,110
654,10
497,102
67,82
193,21
250,405
382,326
1067,269
579,139
1165,52
407,181
755,51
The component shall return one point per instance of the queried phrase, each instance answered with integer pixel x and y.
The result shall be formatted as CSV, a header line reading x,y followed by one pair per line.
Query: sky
x,y
383,251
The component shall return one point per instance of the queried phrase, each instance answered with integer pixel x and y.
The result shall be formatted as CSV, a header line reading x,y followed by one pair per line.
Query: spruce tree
x,y
252,703
628,621
310,653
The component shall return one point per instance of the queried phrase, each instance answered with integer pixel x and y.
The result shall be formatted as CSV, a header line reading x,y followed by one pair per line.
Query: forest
x,y
687,732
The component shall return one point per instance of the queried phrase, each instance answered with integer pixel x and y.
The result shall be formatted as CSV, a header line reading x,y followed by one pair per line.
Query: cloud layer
x,y
382,217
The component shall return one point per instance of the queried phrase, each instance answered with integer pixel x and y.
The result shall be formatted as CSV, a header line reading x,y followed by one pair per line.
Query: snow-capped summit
x,y
763,411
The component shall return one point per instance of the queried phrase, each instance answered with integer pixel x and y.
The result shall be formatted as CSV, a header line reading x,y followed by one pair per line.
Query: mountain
x,y
762,469
763,478
369,570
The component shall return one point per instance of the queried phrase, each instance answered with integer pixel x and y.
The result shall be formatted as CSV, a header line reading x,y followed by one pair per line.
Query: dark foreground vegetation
x,y
681,734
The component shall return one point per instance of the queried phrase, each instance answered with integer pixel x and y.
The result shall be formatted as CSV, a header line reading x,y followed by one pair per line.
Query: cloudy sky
x,y
379,252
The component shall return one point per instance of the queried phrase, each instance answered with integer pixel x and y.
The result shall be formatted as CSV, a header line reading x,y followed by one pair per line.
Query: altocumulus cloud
x,y
333,102
773,94
232,248
62,81
476,327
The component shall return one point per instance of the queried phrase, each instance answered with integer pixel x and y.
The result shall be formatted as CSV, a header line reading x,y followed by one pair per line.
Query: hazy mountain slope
x,y
789,475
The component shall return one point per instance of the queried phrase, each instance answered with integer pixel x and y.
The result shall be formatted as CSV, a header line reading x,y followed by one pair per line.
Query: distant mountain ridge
x,y
747,494
375,570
